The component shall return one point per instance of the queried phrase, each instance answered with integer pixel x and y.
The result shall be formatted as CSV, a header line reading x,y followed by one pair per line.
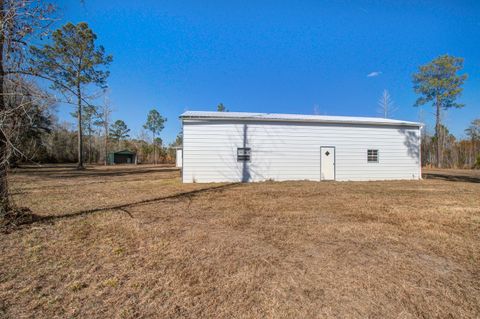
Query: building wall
x,y
291,151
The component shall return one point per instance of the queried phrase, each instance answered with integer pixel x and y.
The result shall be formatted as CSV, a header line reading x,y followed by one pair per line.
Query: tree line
x,y
57,142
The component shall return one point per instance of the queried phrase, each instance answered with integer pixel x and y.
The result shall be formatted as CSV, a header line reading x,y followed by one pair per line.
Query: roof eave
x,y
219,118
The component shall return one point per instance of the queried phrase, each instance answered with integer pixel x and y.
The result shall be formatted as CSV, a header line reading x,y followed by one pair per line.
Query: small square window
x,y
243,154
372,156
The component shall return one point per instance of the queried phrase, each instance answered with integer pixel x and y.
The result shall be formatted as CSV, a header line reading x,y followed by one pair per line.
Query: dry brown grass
x,y
267,250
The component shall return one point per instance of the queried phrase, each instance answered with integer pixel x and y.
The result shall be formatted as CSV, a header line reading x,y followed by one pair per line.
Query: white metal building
x,y
243,147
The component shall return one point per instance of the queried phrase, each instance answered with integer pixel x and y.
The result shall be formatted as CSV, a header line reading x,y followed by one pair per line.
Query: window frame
x,y
371,156
246,156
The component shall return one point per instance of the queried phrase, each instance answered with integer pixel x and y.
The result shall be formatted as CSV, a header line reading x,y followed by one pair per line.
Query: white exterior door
x,y
327,163
179,157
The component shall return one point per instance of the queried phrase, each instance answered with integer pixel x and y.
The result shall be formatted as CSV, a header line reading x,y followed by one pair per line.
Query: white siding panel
x,y
291,151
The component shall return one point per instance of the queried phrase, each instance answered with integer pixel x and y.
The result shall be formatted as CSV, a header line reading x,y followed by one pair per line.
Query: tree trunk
x,y
4,200
474,145
79,131
154,151
472,152
437,132
90,153
106,144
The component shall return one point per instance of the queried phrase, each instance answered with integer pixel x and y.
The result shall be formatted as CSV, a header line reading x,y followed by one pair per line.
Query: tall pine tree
x,y
439,82
155,124
73,62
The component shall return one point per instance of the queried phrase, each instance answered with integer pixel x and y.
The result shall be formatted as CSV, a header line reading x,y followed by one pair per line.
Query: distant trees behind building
x,y
221,108
57,142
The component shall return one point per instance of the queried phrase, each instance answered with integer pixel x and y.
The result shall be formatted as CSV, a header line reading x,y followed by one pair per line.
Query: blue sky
x,y
277,56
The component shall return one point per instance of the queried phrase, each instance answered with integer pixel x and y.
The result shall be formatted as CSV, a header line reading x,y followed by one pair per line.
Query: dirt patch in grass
x,y
141,244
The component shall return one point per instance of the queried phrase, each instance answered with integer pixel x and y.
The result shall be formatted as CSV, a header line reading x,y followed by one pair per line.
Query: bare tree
x,y
31,108
21,21
386,105
104,122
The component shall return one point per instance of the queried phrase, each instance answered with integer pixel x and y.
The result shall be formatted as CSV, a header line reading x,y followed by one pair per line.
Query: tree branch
x,y
48,79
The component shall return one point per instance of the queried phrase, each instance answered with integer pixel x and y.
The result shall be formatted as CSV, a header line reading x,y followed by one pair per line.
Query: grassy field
x,y
133,242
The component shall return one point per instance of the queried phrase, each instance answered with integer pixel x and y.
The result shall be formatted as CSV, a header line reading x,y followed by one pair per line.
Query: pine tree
x,y
221,108
73,62
119,131
155,124
438,82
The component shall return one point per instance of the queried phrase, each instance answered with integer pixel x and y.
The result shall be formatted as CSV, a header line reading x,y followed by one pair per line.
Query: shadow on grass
x,y
452,178
34,218
26,190
74,173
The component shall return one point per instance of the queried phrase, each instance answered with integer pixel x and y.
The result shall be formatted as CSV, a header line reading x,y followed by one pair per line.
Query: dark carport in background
x,y
122,157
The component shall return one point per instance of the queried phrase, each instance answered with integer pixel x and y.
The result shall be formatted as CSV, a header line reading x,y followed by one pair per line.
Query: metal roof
x,y
200,115
125,152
